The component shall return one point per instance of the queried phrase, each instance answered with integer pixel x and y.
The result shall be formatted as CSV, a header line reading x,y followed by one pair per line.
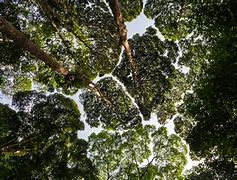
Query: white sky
x,y
5,99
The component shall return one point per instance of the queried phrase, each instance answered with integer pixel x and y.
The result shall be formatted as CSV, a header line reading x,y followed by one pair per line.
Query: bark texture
x,y
22,41
122,30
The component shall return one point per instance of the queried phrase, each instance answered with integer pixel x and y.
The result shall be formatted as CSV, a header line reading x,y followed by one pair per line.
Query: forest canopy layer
x,y
66,65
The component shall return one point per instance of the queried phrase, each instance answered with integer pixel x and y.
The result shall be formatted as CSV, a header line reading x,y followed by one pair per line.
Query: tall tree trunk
x,y
122,30
22,41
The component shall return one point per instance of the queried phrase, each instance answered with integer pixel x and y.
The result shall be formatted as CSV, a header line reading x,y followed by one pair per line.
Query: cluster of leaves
x,y
40,140
131,9
208,121
171,17
12,64
80,35
122,114
177,19
155,75
139,153
219,168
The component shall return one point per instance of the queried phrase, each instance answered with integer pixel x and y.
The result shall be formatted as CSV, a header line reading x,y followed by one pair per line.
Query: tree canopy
x,y
66,64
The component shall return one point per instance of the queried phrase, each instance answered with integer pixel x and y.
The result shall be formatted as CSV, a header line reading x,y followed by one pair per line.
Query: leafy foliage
x,y
131,9
122,114
177,19
213,169
40,140
211,108
139,153
155,74
171,17
88,48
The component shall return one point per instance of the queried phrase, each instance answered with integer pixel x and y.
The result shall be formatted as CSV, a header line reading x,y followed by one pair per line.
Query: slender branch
x,y
128,172
46,9
8,142
107,168
51,15
55,27
20,143
122,30
148,165
98,93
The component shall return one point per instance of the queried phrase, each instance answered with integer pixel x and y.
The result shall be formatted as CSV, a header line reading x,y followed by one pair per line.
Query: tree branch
x,y
60,21
20,143
122,30
7,143
148,165
22,41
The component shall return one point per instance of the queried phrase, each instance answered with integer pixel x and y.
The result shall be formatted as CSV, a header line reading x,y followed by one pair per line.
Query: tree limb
x,y
19,143
22,41
148,165
122,30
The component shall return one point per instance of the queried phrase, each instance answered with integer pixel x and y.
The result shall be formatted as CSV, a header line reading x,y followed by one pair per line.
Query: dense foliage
x,y
51,51
40,140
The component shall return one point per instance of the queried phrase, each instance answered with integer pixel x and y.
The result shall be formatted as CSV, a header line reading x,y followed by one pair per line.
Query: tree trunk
x,y
22,41
122,30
